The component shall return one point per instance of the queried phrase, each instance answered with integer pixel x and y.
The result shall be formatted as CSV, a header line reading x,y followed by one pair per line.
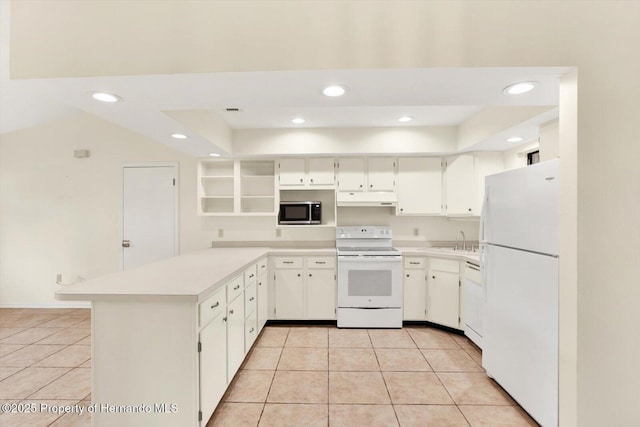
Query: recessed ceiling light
x,y
514,139
178,136
214,154
405,119
334,90
298,120
519,88
106,97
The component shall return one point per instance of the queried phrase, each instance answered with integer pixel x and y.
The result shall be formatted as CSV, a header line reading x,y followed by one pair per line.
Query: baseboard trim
x,y
69,304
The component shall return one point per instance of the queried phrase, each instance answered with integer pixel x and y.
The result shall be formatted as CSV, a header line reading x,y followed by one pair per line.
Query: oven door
x,y
369,281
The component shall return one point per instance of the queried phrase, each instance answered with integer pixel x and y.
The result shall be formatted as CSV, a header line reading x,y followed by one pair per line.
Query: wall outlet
x,y
220,232
416,231
59,278
278,232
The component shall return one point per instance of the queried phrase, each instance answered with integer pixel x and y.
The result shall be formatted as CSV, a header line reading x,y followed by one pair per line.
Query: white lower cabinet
x,y
235,336
444,292
305,288
213,362
432,290
262,291
415,289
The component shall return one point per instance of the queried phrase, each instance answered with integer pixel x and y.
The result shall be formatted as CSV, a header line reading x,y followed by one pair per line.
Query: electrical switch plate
x,y
416,231
278,232
220,232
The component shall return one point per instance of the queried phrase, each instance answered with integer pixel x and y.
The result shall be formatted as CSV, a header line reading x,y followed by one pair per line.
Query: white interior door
x,y
149,215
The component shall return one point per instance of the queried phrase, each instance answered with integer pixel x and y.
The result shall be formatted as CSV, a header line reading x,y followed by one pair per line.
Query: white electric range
x,y
369,278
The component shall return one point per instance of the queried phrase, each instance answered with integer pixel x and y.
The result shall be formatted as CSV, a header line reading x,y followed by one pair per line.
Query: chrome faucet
x,y
464,240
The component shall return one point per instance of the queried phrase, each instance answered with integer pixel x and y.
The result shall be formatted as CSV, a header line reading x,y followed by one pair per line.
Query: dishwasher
x,y
474,302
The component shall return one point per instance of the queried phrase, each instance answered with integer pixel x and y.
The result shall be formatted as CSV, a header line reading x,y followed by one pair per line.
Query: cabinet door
x,y
289,294
415,295
419,185
321,294
263,301
235,336
381,174
321,172
213,362
291,172
444,293
461,189
351,175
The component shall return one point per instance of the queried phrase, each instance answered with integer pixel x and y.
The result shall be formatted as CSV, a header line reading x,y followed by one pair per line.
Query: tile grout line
x,y
273,378
384,380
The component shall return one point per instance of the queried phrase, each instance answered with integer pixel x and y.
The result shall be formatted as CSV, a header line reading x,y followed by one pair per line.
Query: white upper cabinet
x,y
381,174
486,163
291,172
419,186
352,174
374,174
461,186
321,172
306,173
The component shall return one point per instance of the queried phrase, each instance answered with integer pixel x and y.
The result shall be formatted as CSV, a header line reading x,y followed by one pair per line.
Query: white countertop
x,y
190,277
193,277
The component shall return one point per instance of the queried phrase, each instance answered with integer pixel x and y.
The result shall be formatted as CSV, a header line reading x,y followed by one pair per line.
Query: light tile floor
x,y
416,376
45,364
294,376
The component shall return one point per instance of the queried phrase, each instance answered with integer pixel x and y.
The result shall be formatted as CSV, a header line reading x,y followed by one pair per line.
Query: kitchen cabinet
x,y
352,174
305,287
306,173
236,187
415,289
235,335
419,186
444,292
289,290
374,174
213,362
381,174
460,185
262,284
321,288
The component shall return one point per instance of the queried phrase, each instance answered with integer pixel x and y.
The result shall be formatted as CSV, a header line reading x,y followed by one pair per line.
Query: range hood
x,y
367,198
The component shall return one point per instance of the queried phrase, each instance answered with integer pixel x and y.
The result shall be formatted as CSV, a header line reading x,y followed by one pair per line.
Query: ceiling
x,y
268,100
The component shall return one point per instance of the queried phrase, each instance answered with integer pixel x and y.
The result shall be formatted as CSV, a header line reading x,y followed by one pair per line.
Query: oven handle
x,y
347,258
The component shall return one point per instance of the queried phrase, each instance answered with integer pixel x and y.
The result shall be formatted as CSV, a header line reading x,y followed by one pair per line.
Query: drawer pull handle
x,y
235,288
287,262
251,299
216,304
230,311
414,263
252,329
321,262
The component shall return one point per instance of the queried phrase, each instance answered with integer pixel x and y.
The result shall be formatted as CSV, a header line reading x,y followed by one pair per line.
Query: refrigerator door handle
x,y
483,269
483,215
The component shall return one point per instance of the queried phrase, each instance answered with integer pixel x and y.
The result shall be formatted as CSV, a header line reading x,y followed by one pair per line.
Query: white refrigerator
x,y
519,262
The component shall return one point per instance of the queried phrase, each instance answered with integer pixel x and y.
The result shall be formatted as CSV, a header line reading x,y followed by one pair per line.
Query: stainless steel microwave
x,y
300,213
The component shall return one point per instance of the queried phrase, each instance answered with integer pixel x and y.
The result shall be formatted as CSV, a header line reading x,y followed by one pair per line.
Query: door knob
x,y
126,243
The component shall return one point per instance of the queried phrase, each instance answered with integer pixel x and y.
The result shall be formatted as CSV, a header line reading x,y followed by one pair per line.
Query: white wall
x,y
59,214
435,139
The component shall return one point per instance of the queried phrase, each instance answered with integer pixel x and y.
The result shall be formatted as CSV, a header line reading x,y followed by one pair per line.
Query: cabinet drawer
x,y
250,300
473,273
414,262
288,262
321,262
250,275
250,331
234,288
210,307
441,264
262,267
